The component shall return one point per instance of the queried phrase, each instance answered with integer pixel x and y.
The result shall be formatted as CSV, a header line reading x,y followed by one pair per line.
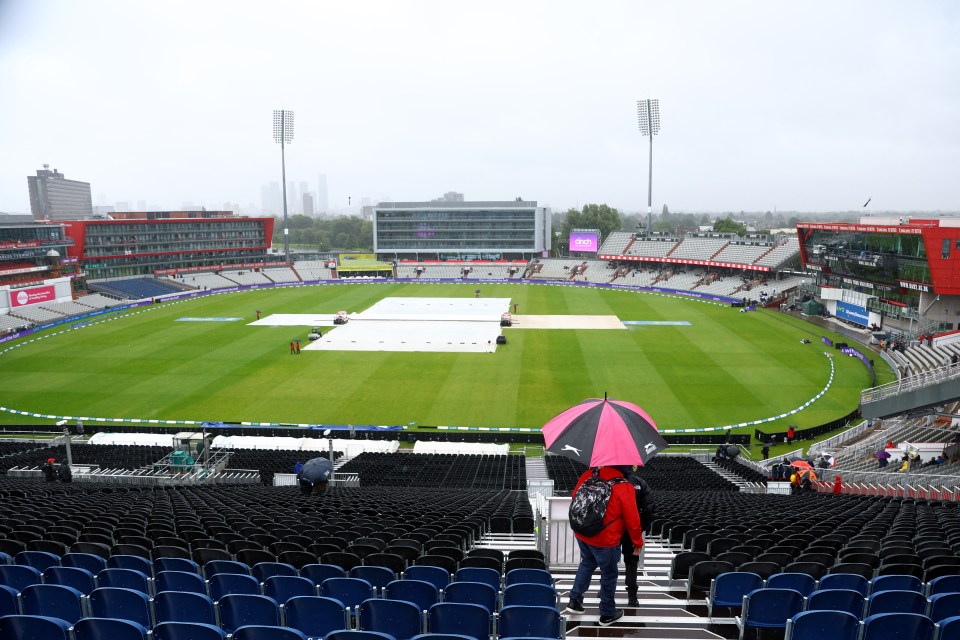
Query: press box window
x,y
945,251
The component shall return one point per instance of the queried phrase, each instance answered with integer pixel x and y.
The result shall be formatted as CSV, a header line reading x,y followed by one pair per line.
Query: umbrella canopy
x,y
800,464
601,431
880,455
317,470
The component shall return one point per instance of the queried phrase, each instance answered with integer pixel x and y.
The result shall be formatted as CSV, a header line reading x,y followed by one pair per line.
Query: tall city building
x,y
271,199
307,203
53,197
323,200
293,197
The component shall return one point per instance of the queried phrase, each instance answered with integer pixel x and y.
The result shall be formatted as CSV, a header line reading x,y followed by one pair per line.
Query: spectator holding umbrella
x,y
315,476
611,437
882,457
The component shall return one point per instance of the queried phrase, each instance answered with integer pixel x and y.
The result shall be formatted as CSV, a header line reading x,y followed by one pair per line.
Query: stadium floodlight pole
x,y
283,133
648,114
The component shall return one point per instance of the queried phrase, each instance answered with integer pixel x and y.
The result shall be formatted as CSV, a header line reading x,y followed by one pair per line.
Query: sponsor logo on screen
x,y
580,241
852,313
34,295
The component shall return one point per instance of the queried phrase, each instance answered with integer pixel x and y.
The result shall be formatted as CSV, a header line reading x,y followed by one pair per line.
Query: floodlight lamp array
x,y
282,126
648,115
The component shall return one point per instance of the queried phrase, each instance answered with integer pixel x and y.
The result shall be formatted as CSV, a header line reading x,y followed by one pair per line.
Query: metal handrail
x,y
916,381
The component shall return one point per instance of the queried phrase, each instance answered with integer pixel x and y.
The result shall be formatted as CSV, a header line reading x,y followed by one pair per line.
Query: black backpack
x,y
589,505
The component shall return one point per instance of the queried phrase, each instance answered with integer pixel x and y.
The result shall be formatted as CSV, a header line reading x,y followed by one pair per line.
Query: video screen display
x,y
584,241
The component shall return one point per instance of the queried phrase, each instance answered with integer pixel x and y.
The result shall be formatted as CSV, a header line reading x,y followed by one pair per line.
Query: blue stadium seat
x,y
948,629
529,622
179,581
315,616
420,592
175,564
263,570
79,579
944,584
896,602
884,626
222,584
895,582
240,610
943,606
438,576
187,631
92,563
350,591
847,600
820,625
359,635
5,558
125,604
19,576
727,589
53,600
461,619
108,629
27,627
529,594
536,576
317,573
214,567
176,606
801,582
399,618
124,579
479,574
845,581
136,563
282,588
379,577
39,560
263,632
440,636
9,605
473,593
769,609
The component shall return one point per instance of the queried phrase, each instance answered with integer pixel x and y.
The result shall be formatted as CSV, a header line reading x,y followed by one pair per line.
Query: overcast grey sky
x,y
810,106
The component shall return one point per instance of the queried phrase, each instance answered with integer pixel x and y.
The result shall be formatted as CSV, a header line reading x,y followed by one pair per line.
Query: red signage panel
x,y
32,295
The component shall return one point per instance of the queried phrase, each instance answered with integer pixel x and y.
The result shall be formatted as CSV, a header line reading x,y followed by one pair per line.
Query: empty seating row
x,y
249,617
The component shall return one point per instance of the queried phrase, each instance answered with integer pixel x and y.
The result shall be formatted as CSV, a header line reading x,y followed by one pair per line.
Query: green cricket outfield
x,y
711,367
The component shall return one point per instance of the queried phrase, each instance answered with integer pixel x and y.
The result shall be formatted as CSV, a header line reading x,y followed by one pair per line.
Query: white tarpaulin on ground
x,y
145,439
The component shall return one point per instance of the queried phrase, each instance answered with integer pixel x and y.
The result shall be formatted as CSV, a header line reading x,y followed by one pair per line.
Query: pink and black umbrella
x,y
600,431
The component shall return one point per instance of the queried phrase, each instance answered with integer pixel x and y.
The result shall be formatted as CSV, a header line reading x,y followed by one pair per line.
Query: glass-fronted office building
x,y
169,241
897,267
460,230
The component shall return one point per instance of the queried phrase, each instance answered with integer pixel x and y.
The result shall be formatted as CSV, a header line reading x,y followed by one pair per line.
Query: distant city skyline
x,y
811,107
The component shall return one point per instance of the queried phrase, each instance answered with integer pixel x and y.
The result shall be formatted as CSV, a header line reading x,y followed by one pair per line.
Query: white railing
x,y
837,441
911,383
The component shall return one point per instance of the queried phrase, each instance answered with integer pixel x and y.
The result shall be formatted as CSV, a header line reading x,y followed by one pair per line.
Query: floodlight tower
x,y
283,133
648,113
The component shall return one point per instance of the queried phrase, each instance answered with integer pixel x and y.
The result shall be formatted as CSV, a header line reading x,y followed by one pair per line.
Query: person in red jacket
x,y
603,550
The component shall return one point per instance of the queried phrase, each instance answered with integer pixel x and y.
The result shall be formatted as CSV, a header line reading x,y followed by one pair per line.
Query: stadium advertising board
x,y
32,295
852,313
587,241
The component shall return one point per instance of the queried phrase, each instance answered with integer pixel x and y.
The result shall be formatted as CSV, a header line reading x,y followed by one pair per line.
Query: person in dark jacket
x,y
631,560
64,473
603,549
49,470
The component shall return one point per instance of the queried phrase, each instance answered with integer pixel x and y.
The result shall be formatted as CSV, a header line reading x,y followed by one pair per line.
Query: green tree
x,y
729,225
592,216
